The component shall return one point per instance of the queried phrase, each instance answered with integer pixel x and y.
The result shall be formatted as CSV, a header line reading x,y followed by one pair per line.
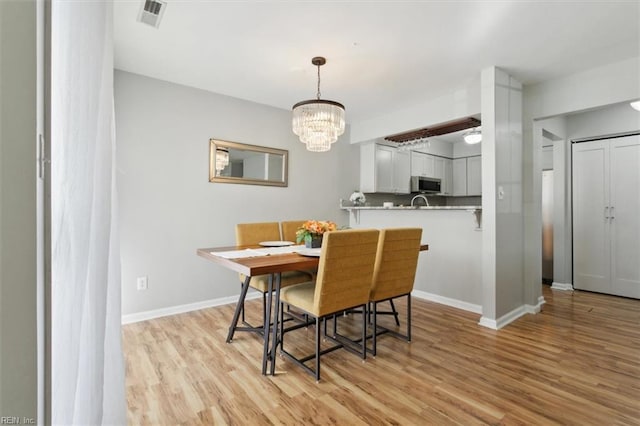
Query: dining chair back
x,y
289,229
254,233
345,273
394,274
248,234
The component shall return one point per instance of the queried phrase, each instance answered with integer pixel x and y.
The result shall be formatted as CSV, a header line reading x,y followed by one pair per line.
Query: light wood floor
x,y
577,362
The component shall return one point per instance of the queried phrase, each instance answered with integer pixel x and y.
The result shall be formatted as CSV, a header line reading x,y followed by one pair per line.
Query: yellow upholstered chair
x,y
345,272
394,274
289,229
248,234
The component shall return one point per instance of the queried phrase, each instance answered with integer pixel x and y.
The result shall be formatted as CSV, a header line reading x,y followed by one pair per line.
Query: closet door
x,y
625,216
591,239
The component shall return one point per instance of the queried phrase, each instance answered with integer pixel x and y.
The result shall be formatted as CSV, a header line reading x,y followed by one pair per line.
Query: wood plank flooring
x,y
575,363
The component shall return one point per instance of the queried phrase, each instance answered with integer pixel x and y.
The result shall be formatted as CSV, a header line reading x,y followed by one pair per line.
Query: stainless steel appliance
x,y
425,184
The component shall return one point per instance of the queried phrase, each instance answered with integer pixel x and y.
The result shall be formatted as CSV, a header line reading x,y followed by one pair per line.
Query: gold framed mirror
x,y
233,162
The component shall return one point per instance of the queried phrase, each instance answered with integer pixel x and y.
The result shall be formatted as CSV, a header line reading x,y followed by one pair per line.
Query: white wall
x,y
593,88
611,119
168,208
458,103
18,126
617,118
438,147
589,89
463,149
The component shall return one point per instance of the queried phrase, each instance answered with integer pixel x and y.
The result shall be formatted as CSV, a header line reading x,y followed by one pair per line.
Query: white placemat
x,y
255,252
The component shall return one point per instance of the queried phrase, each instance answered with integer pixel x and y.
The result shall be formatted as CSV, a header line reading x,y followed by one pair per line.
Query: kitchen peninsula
x,y
451,271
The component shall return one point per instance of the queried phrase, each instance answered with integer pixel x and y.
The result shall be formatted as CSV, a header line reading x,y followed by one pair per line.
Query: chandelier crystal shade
x,y
222,159
318,122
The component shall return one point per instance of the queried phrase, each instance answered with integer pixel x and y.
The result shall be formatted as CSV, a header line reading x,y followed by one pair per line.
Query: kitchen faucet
x,y
420,196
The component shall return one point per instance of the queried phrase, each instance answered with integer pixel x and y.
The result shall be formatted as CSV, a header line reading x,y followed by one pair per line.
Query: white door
x,y
625,216
591,248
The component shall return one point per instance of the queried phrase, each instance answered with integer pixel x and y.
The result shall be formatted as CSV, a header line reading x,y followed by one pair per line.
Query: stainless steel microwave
x,y
425,184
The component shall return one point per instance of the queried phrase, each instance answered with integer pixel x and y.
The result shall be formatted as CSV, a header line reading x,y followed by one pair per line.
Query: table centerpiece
x,y
311,232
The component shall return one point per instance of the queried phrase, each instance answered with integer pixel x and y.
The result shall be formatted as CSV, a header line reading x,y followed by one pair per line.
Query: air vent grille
x,y
151,12
435,130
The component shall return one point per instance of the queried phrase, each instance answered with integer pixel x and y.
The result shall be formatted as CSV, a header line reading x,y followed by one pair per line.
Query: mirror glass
x,y
232,162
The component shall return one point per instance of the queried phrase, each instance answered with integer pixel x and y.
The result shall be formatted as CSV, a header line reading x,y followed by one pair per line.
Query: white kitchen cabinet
x,y
438,168
447,184
443,171
433,166
606,219
459,171
422,164
467,176
384,169
474,176
402,172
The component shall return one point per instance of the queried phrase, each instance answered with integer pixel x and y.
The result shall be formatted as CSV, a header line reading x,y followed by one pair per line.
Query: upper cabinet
x,y
459,176
384,169
422,164
433,166
474,176
467,176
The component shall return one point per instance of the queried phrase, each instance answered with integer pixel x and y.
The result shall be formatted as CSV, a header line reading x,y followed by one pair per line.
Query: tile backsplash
x,y
376,199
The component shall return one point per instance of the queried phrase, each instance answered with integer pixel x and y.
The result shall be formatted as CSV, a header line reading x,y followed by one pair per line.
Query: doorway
x,y
547,227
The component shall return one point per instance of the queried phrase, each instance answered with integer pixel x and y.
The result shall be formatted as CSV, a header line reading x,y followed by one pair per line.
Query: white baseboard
x,y
180,309
562,286
504,320
535,309
455,303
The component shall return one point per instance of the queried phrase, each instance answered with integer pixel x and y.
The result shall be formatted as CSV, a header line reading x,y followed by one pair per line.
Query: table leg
x,y
267,320
239,307
276,317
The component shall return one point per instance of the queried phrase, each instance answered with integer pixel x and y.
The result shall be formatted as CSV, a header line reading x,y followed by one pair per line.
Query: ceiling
x,y
381,56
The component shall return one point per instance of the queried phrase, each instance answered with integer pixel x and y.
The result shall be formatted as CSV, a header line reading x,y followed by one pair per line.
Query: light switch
x,y
500,193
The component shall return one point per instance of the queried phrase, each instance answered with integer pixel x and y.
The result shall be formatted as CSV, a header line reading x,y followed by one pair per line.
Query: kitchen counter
x,y
411,208
355,210
451,271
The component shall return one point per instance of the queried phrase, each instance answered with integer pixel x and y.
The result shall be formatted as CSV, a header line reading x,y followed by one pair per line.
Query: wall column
x,y
502,199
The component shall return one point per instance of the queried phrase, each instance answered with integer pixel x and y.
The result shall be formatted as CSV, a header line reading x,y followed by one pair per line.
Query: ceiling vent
x,y
151,12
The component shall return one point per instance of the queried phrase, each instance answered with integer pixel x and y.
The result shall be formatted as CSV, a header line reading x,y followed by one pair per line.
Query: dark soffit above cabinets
x,y
435,130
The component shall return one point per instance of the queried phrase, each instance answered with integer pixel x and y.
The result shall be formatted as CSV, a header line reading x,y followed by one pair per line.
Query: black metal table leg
x,y
239,308
275,325
267,319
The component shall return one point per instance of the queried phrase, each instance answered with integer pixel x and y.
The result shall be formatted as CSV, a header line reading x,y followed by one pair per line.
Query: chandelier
x,y
318,122
222,159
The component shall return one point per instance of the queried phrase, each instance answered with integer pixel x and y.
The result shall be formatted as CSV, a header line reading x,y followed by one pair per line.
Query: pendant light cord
x,y
318,94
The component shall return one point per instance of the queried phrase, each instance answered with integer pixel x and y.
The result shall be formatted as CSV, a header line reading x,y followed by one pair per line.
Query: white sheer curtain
x,y
87,363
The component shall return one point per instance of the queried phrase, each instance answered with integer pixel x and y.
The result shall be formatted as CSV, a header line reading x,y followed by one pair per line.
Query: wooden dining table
x,y
273,265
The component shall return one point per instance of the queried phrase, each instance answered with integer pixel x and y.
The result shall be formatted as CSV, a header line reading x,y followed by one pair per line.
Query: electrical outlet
x,y
142,283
